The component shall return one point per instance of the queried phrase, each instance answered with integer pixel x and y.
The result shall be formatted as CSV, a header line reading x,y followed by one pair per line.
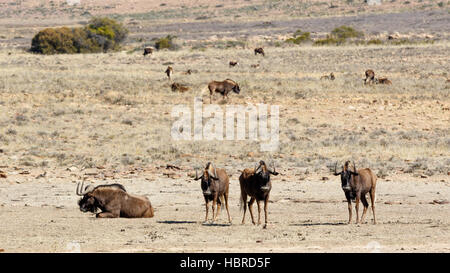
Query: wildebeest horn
x,y
196,175
86,190
354,166
257,168
335,171
211,165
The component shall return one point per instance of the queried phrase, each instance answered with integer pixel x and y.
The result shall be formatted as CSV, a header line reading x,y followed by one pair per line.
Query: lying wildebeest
x,y
382,81
223,87
256,184
356,184
188,72
214,184
169,71
328,77
259,50
113,201
148,51
233,63
179,87
370,76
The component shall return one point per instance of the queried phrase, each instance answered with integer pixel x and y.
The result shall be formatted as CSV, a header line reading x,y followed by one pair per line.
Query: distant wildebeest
x,y
113,201
223,87
370,76
256,184
148,51
382,81
259,50
169,72
356,184
233,63
328,77
254,65
214,184
188,72
179,87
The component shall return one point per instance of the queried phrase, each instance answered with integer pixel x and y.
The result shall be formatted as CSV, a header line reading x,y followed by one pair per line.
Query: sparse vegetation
x,y
166,43
299,37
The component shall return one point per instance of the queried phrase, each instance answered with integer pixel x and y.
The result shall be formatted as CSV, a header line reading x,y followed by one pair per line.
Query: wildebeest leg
x,y
244,203
219,203
250,204
366,205
358,198
266,203
372,200
114,214
225,196
349,203
258,202
207,209
214,207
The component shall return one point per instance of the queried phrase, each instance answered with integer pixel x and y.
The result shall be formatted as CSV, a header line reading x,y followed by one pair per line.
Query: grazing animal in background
x,y
356,184
113,201
233,63
254,65
328,77
214,184
370,76
179,87
148,51
169,72
256,184
259,50
223,87
382,81
188,72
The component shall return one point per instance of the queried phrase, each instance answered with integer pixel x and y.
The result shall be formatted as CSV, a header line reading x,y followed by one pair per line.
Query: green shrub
x,y
100,35
299,37
345,32
166,42
374,42
329,41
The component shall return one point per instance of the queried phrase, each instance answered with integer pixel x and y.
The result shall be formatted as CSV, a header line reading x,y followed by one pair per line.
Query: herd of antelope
x,y
114,201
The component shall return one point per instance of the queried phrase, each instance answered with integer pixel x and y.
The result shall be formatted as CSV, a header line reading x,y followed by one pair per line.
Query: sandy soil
x,y
41,215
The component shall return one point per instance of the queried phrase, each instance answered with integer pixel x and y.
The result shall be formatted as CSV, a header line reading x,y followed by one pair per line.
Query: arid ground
x,y
106,118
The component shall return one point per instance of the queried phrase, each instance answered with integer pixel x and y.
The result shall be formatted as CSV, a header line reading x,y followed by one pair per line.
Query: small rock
x,y
324,178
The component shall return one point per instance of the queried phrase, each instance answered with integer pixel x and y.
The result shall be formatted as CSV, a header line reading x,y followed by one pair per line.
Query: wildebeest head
x,y
346,175
88,201
263,172
236,89
209,174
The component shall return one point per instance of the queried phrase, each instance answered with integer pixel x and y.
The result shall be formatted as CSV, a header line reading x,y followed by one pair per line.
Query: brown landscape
x,y
106,118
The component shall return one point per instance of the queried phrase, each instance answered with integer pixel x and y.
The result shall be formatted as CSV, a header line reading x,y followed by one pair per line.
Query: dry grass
x,y
115,109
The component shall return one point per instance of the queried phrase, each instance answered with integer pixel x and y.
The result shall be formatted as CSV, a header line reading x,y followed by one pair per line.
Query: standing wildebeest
x,y
113,201
256,183
223,88
356,184
169,71
233,63
370,76
259,50
328,77
148,51
383,81
214,184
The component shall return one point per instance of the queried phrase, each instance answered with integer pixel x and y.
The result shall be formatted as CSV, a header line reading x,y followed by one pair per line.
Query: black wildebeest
x,y
328,77
256,184
259,50
370,76
223,87
383,81
214,184
113,201
356,184
169,72
233,63
148,51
